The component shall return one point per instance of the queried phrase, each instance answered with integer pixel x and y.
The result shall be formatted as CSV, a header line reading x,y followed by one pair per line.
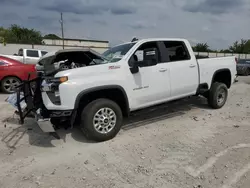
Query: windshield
x,y
244,61
116,53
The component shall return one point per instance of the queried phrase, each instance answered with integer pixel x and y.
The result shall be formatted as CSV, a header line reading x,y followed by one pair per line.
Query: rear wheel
x,y
101,120
8,84
217,95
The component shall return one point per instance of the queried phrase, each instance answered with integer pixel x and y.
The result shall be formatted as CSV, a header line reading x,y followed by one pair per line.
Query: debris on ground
x,y
54,171
176,151
195,118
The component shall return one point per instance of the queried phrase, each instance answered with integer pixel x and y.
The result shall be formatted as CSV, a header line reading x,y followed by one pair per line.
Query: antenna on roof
x,y
134,39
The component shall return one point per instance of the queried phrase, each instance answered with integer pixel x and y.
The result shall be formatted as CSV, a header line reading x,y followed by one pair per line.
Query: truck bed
x,y
208,66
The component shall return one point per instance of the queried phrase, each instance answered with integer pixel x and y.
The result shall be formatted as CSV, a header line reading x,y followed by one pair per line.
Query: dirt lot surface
x,y
184,144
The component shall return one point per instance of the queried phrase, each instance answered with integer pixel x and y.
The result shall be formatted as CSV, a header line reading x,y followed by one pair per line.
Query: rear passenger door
x,y
183,69
32,56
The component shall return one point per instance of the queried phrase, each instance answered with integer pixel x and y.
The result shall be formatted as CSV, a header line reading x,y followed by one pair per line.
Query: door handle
x,y
163,70
192,66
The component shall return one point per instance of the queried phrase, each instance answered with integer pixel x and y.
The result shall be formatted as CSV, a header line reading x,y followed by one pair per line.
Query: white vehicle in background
x,y
27,56
129,77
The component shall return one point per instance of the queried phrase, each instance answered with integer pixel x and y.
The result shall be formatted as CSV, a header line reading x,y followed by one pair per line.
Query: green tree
x,y
51,36
201,47
3,35
225,51
16,34
242,46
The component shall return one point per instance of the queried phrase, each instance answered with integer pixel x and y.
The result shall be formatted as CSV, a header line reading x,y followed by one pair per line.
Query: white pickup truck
x,y
99,90
28,56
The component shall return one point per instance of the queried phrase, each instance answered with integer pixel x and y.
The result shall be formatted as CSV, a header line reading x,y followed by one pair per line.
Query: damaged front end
x,y
28,100
46,96
29,103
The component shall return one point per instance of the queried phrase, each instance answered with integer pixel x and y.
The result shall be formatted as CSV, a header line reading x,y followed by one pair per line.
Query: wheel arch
x,y
223,76
11,76
88,95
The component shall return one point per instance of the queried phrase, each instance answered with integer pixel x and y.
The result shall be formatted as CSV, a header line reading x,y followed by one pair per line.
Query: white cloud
x,y
217,22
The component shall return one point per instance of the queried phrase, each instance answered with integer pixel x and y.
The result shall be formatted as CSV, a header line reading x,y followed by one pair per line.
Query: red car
x,y
13,72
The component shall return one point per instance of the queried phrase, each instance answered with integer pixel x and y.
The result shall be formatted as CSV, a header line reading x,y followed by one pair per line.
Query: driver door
x,y
151,84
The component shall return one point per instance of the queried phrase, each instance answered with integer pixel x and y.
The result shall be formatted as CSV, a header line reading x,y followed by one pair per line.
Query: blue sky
x,y
217,22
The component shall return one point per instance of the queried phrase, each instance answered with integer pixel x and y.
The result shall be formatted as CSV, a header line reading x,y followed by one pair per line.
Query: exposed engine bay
x,y
67,64
62,60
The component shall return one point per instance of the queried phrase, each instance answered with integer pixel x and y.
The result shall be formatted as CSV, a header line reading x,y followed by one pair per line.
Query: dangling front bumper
x,y
28,100
44,123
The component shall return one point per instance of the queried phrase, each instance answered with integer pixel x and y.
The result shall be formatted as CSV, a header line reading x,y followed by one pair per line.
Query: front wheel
x,y
101,120
217,95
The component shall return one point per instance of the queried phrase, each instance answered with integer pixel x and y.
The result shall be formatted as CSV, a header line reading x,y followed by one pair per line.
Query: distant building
x,y
95,44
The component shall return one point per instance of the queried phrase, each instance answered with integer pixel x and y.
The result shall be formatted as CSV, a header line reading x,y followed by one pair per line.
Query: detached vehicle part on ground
x,y
104,88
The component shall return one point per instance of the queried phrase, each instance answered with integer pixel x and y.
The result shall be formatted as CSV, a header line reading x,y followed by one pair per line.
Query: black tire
x,y
87,119
15,82
217,95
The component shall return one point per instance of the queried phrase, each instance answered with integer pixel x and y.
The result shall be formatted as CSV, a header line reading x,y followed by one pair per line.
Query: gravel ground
x,y
184,144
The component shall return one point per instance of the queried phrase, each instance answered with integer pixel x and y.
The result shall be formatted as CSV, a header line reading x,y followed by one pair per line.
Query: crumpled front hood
x,y
85,72
82,56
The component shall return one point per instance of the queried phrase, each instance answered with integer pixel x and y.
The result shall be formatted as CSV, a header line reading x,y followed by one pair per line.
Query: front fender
x,y
98,88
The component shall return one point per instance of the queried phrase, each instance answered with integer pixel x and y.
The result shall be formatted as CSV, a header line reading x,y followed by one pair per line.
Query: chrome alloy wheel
x,y
10,84
104,120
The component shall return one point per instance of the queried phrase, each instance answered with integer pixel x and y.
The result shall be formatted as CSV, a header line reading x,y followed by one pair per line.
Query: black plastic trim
x,y
202,88
221,70
84,92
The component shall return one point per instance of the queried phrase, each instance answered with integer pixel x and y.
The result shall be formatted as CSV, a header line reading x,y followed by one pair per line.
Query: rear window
x,y
32,53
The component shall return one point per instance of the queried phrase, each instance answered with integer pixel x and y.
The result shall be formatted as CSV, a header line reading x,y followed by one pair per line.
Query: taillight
x,y
236,60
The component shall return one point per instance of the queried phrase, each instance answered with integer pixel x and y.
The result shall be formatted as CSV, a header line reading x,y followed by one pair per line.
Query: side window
x,y
32,53
43,53
176,51
139,53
